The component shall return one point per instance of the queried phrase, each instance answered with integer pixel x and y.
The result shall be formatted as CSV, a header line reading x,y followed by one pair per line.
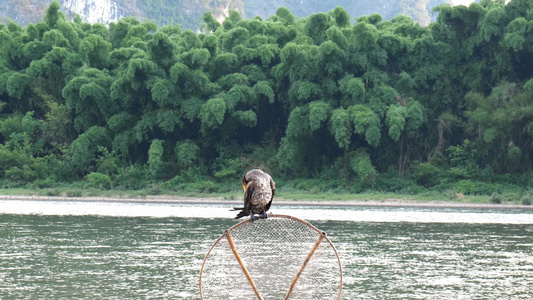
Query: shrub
x,y
483,188
43,183
155,190
83,150
15,174
496,198
73,193
99,180
107,162
397,184
527,199
229,168
155,159
187,153
425,174
362,166
206,186
53,192
133,177
466,187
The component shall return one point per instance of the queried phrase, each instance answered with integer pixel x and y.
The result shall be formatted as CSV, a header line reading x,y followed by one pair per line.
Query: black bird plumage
x,y
259,190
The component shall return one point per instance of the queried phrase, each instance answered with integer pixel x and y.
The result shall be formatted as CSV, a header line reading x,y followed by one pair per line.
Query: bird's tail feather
x,y
242,213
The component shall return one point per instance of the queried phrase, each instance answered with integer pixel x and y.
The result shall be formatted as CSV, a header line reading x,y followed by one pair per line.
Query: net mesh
x,y
274,252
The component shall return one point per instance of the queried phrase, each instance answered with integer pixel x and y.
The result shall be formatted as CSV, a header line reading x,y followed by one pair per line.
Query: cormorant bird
x,y
259,190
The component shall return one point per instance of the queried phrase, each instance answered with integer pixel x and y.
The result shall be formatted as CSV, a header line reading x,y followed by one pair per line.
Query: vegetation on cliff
x,y
188,13
319,103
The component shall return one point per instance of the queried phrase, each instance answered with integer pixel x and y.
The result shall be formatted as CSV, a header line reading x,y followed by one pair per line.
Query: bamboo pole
x,y
306,261
243,267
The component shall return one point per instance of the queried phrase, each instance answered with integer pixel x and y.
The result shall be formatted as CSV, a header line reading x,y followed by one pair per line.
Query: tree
x,y
305,97
84,149
155,159
316,26
95,51
342,18
53,15
212,114
88,95
211,23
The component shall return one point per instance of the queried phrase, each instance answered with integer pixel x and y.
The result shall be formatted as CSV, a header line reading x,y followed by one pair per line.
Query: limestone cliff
x,y
188,13
93,11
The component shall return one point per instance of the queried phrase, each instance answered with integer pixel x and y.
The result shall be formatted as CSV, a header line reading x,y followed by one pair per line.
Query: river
x,y
117,250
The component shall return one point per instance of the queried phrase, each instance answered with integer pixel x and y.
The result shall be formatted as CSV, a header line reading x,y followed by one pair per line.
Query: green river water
x,y
91,255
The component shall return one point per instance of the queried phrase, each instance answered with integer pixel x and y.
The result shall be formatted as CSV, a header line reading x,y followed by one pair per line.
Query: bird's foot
x,y
259,216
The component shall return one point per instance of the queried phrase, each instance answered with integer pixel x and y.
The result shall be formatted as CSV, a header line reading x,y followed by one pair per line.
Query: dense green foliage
x,y
188,13
318,102
418,10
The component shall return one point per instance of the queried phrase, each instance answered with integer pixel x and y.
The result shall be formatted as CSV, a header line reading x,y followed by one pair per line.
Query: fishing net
x,y
281,257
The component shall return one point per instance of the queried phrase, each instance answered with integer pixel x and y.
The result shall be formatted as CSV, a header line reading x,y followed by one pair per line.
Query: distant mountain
x,y
189,12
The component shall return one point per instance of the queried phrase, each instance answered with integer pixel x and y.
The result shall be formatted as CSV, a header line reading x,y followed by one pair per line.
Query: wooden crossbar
x,y
306,261
241,263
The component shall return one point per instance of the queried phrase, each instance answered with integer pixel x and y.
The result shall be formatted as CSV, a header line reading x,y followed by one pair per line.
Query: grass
x,y
382,197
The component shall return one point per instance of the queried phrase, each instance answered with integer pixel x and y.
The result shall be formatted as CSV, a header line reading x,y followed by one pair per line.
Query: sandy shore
x,y
280,201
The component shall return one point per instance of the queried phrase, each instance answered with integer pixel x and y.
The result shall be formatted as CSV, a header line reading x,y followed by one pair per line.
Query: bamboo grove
x,y
324,102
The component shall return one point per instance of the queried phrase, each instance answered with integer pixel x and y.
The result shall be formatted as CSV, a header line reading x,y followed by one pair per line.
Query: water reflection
x,y
75,253
82,257
444,261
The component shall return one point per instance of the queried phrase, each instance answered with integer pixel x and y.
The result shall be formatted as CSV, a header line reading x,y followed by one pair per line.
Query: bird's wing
x,y
248,195
273,188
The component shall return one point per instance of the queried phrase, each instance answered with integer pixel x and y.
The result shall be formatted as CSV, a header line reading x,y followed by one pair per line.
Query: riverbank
x,y
174,199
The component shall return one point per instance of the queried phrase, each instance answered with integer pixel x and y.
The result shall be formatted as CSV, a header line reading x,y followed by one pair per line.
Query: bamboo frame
x,y
241,263
322,237
306,261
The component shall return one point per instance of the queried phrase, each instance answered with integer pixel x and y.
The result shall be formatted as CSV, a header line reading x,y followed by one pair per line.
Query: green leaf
x,y
395,120
121,121
247,118
162,91
285,15
17,85
298,123
353,90
362,165
212,113
415,117
187,153
155,159
342,18
168,119
191,108
53,15
263,88
318,113
340,127
366,122
210,21
200,57
179,72
316,26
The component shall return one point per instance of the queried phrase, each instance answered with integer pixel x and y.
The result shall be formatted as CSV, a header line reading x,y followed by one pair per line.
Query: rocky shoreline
x,y
390,202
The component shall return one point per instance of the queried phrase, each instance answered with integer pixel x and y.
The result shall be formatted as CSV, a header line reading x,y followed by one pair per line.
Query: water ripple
x,y
78,252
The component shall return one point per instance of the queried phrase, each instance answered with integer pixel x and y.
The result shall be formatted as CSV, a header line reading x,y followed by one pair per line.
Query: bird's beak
x,y
244,186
